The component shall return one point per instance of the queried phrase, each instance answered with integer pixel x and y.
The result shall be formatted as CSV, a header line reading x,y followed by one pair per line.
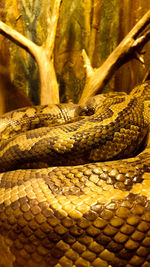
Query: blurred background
x,y
95,25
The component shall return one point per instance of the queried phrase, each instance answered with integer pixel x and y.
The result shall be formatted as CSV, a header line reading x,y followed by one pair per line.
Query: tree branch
x,y
52,27
42,54
18,39
126,50
87,64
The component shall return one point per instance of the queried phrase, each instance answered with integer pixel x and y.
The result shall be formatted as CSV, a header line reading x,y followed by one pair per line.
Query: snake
x,y
75,183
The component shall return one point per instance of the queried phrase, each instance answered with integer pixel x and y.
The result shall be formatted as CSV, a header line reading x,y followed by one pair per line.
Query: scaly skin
x,y
94,214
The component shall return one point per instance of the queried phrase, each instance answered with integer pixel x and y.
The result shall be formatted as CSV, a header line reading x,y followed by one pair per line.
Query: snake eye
x,y
88,112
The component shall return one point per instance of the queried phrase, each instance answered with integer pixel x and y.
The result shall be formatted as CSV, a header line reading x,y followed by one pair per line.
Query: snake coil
x,y
75,183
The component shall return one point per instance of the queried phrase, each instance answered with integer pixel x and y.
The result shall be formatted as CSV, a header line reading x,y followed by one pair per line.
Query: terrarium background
x,y
95,25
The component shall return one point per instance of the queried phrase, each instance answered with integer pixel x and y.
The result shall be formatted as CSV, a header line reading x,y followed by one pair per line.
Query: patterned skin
x,y
85,214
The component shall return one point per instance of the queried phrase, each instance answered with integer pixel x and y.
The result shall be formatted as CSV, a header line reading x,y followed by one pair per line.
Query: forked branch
x,y
43,55
130,47
96,79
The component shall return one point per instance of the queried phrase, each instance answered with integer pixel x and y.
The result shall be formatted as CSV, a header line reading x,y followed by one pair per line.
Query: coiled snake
x,y
93,209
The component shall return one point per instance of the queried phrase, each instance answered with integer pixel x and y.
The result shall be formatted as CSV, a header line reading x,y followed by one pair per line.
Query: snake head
x,y
142,90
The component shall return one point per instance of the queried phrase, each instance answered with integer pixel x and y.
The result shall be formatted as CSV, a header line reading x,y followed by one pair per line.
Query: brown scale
x,y
123,176
96,214
116,234
91,142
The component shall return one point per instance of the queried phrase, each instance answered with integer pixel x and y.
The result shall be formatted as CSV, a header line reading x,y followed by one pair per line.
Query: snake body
x,y
75,183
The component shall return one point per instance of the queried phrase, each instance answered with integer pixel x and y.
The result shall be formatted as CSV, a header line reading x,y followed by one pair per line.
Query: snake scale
x,y
75,183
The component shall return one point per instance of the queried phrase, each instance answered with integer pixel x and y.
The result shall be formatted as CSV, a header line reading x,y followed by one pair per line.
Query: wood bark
x,y
49,89
130,47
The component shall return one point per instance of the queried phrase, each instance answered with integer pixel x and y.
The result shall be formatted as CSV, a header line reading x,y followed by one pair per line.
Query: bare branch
x,y
87,64
18,38
43,55
123,52
52,27
140,57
